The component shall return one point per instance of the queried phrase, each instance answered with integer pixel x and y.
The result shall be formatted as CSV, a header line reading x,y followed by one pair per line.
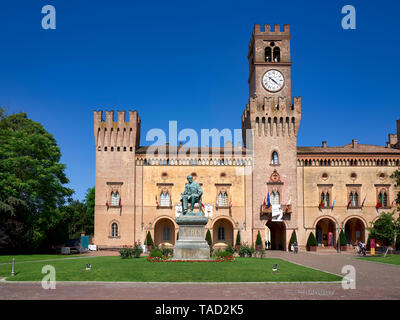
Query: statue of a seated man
x,y
191,195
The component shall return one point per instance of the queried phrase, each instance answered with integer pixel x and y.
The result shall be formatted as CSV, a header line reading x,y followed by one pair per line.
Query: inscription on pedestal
x,y
191,232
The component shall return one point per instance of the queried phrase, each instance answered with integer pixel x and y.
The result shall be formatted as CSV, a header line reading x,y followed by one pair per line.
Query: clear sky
x,y
162,57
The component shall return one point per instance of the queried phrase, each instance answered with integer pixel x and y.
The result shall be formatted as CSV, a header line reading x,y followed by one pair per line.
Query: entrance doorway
x,y
354,230
325,231
277,235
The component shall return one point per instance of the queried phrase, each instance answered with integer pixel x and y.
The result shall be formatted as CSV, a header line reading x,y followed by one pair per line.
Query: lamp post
x,y
339,227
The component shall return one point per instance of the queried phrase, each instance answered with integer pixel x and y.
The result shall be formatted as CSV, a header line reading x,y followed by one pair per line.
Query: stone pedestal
x,y
191,244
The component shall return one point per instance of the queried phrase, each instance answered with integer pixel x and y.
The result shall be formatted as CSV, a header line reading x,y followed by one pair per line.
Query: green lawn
x,y
32,257
117,269
390,258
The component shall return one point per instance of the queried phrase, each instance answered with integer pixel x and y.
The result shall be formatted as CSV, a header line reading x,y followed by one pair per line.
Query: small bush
x,y
230,249
125,253
137,250
293,239
156,253
238,240
245,250
223,254
343,239
260,253
208,238
311,241
149,239
258,240
166,252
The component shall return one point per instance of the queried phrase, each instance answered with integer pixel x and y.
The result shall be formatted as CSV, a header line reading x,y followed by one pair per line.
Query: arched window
x,y
164,199
275,198
268,54
166,234
277,54
354,199
221,233
383,198
275,158
222,199
322,199
327,204
114,199
114,230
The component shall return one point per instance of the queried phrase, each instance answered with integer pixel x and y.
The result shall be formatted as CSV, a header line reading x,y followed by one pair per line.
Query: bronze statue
x,y
192,195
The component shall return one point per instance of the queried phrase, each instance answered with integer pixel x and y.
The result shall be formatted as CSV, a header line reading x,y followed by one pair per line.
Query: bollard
x,y
13,268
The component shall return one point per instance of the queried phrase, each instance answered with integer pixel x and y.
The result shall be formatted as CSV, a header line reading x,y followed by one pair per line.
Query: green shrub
x,y
293,239
260,253
258,240
238,240
208,238
223,254
156,253
343,239
230,249
125,253
245,250
311,241
137,250
149,239
166,252
177,236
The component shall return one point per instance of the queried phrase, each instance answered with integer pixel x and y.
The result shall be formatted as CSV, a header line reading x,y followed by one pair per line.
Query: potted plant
x,y
312,242
258,242
149,241
292,240
343,241
237,244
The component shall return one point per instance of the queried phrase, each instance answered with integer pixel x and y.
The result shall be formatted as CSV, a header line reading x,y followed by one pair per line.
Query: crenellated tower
x,y
116,143
273,119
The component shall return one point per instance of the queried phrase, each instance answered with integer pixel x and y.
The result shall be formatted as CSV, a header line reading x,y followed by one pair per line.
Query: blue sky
x,y
162,57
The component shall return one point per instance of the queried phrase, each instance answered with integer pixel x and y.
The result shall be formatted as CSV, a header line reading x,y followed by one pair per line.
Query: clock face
x,y
273,80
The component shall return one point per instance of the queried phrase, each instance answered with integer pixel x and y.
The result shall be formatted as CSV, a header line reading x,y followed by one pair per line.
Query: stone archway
x,y
354,230
222,233
277,234
325,232
164,232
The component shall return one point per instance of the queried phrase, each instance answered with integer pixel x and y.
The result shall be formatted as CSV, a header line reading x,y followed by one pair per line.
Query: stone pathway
x,y
373,281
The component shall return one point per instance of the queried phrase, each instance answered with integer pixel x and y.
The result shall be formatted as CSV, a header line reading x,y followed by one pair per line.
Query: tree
x,y
293,239
342,238
149,239
311,241
396,177
208,238
238,240
258,239
384,229
31,182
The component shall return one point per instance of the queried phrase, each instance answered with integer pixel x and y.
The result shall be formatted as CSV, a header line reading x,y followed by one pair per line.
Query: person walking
x,y
295,247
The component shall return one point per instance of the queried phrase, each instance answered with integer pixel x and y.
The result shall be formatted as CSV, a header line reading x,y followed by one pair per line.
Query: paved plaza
x,y
373,281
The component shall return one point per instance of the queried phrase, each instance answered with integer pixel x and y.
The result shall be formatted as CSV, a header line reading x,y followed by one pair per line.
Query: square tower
x,y
272,121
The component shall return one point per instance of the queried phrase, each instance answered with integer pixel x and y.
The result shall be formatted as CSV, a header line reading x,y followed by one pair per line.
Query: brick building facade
x,y
312,188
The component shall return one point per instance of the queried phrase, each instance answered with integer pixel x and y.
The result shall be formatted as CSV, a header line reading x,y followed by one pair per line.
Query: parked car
x,y
72,246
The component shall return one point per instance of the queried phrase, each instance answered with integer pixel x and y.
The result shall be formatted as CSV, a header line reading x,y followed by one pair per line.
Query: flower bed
x,y
219,259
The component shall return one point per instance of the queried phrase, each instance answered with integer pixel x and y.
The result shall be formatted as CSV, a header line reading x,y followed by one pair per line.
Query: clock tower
x,y
271,120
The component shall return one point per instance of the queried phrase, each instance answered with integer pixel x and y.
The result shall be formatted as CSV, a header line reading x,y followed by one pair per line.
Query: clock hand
x,y
273,80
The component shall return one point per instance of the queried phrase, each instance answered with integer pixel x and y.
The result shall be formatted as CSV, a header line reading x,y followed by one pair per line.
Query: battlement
x,y
110,134
268,31
297,104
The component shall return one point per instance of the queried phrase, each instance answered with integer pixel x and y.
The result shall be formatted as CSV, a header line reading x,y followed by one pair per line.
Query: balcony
x,y
266,212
